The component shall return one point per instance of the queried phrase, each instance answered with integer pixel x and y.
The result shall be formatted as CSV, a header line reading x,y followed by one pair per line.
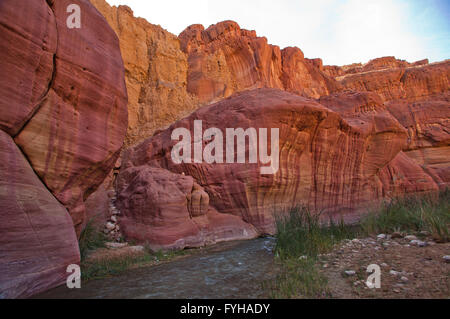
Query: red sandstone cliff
x,y
381,130
63,120
349,136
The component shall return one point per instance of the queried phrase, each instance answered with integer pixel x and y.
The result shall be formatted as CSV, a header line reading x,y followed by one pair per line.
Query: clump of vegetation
x,y
111,266
90,238
301,233
301,238
106,267
430,213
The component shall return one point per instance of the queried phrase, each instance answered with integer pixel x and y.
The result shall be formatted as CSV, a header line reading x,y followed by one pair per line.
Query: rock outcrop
x,y
37,238
225,59
338,156
169,77
156,72
63,119
75,130
428,123
388,62
171,211
410,82
394,140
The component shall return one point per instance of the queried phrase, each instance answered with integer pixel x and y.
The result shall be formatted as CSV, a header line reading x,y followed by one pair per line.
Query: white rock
x,y
418,243
422,244
410,237
446,258
350,272
394,273
137,248
384,265
110,226
404,279
115,245
381,236
114,219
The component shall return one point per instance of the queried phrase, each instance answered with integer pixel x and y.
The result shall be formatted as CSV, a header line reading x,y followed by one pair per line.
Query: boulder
x,y
68,111
332,158
37,238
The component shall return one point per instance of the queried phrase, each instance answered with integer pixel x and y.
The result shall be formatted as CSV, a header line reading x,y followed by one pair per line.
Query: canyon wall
x,y
169,77
350,135
63,119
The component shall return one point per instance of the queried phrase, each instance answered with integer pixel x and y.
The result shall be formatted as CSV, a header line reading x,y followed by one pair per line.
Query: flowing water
x,y
226,270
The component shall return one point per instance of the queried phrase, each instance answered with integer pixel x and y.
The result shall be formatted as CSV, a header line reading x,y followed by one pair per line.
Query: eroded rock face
x,y
169,77
410,83
37,238
171,211
388,62
333,157
63,119
428,123
156,72
75,128
225,59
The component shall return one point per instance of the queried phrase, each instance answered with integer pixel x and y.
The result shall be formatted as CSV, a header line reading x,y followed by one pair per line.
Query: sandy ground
x,y
407,270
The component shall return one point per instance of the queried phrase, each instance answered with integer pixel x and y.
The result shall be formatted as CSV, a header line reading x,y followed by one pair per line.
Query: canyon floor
x,y
407,271
242,269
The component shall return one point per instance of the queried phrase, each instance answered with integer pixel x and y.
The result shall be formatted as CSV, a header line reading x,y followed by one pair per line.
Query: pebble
x,y
404,279
110,226
394,273
137,248
350,272
446,259
115,245
410,237
419,243
381,236
384,265
114,219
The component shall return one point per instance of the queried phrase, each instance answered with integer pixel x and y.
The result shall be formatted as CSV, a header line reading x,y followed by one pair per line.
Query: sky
x,y
338,31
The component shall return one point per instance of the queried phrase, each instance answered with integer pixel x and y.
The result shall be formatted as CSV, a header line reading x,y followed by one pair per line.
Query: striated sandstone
x,y
171,211
155,72
428,123
37,238
224,59
74,134
410,83
338,157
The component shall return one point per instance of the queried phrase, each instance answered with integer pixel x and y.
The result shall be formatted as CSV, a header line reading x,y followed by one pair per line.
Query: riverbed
x,y
227,270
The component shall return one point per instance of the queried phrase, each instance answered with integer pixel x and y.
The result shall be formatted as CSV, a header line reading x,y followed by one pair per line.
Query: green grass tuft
x,y
90,239
412,214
